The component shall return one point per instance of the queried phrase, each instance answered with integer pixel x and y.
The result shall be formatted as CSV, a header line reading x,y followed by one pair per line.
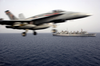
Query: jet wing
x,y
11,22
43,16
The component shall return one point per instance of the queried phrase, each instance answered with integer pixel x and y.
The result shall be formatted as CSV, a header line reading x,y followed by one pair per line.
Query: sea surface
x,y
47,50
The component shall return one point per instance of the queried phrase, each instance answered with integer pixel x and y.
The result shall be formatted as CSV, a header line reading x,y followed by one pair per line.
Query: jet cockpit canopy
x,y
58,11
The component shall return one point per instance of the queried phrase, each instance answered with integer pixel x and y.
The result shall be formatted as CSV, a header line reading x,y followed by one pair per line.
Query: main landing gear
x,y
25,33
34,33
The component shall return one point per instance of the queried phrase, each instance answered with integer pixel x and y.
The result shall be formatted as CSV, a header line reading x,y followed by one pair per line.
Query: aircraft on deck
x,y
41,21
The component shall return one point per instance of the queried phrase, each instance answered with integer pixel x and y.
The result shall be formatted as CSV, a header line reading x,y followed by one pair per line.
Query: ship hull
x,y
76,35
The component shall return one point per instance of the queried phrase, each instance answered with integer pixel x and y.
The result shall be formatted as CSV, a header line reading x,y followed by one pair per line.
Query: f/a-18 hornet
x,y
41,21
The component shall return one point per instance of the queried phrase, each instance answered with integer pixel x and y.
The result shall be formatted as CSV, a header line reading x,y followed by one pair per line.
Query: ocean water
x,y
47,50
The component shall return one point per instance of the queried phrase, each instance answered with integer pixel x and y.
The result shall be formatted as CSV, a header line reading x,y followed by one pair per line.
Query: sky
x,y
35,7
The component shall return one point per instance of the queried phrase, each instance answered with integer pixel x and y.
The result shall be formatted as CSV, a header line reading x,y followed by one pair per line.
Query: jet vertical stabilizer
x,y
10,15
21,16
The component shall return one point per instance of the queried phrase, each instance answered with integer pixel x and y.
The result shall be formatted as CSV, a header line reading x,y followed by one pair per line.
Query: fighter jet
x,y
41,21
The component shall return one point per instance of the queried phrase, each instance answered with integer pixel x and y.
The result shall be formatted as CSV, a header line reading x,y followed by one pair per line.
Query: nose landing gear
x,y
54,30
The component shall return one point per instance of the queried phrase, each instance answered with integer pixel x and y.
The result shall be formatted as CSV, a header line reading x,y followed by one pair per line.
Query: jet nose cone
x,y
84,15
81,15
88,14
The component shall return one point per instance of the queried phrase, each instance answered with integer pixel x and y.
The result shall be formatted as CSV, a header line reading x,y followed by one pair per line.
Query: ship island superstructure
x,y
75,33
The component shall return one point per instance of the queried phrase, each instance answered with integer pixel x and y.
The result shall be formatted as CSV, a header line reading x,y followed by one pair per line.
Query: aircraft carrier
x,y
74,34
